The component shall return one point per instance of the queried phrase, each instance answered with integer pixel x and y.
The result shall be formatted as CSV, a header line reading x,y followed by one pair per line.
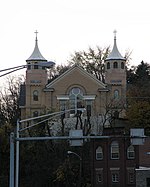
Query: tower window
x,y
114,150
35,95
108,65
115,65
116,94
99,153
122,65
28,66
36,66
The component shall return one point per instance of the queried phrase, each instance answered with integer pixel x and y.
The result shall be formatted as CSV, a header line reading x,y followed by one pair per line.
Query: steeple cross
x,y
36,32
115,32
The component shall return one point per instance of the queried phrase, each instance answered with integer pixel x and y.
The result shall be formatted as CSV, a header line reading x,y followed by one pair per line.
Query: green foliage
x,y
9,113
9,100
139,114
138,97
4,154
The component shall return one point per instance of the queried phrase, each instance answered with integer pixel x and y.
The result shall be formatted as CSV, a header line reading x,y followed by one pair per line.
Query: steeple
x,y
36,55
115,54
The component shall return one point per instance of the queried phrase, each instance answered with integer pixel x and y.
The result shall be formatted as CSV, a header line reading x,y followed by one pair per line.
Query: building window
x,y
116,94
62,104
35,95
122,65
131,175
99,153
114,150
99,175
28,66
76,99
36,66
115,65
130,152
35,113
108,65
115,177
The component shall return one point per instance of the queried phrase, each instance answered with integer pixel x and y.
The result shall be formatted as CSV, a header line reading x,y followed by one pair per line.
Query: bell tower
x,y
36,73
115,74
36,79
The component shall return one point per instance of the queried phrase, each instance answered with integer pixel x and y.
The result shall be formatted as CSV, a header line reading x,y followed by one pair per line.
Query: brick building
x,y
114,160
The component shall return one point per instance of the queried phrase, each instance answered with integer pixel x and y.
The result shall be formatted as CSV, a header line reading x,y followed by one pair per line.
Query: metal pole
x,y
17,156
75,104
61,138
80,177
11,174
80,169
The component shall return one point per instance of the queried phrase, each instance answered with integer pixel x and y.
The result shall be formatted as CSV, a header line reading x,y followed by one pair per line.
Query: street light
x,y
80,171
49,64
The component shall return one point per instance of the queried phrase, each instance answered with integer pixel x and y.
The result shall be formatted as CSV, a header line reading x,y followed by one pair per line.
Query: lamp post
x,y
80,170
48,64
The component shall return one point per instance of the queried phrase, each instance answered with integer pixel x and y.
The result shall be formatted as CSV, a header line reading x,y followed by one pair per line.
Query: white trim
x,y
89,97
62,97
66,97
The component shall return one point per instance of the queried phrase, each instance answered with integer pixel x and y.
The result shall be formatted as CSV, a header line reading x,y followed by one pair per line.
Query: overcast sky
x,y
65,26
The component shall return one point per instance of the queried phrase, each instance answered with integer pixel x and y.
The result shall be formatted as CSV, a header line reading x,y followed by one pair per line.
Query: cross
x,y
115,33
36,32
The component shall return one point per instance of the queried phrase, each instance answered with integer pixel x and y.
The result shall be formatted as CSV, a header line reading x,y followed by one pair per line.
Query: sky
x,y
66,26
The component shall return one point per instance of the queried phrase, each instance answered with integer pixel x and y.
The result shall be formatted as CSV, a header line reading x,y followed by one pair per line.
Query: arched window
x,y
28,66
122,65
36,66
114,150
108,65
35,113
116,94
99,153
115,65
76,97
35,95
130,152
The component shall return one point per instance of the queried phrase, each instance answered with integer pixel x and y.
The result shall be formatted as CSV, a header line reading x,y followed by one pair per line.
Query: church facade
x,y
76,91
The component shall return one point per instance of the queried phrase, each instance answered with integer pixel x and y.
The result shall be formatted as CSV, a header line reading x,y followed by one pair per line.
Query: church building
x,y
76,91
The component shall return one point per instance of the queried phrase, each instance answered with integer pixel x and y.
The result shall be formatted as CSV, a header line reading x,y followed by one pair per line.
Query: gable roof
x,y
82,71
